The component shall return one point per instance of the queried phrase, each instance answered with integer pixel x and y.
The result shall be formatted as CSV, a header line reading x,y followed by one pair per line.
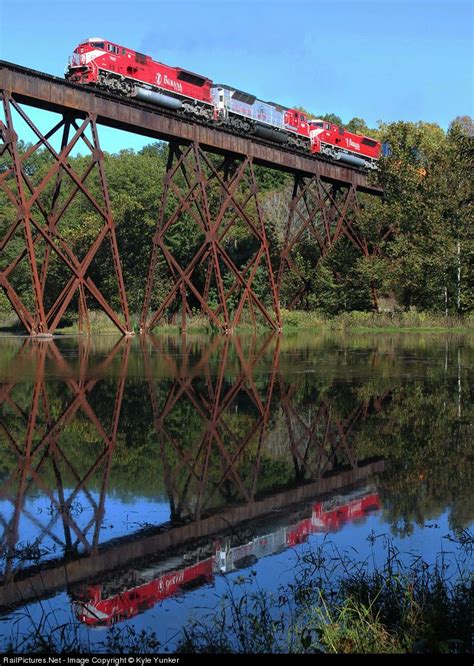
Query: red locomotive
x,y
339,144
114,68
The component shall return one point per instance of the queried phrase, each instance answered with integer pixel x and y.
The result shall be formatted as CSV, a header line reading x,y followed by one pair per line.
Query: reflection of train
x,y
329,516
138,590
96,608
109,66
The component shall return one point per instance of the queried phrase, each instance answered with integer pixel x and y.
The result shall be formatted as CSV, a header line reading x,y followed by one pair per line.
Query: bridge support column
x,y
320,213
223,252
38,190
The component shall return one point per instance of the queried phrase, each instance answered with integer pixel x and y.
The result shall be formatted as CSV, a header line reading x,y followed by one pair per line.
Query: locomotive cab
x,y
317,126
295,121
79,68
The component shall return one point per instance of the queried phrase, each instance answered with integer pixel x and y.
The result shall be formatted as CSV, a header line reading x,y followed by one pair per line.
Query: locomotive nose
x,y
77,69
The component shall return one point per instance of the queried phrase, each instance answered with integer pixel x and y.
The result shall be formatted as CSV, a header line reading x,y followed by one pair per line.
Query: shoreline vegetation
x,y
292,322
338,603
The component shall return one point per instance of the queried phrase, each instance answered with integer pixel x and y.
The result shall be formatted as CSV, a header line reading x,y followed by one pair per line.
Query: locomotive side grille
x,y
240,96
189,77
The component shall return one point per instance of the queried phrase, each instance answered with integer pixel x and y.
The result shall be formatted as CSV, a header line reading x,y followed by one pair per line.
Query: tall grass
x,y
293,320
338,604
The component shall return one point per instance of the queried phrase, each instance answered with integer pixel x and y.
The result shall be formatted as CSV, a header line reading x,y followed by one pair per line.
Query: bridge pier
x,y
320,213
37,202
213,201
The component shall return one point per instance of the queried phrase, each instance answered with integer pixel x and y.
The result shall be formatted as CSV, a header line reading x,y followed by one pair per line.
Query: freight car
x,y
108,66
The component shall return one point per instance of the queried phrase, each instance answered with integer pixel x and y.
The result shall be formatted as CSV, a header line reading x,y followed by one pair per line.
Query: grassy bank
x,y
295,320
336,604
378,321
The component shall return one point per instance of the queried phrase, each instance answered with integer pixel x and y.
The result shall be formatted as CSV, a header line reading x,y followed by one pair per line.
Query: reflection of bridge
x,y
214,413
319,441
211,184
33,437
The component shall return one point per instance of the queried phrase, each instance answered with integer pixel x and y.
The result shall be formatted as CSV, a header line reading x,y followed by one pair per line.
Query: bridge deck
x,y
54,94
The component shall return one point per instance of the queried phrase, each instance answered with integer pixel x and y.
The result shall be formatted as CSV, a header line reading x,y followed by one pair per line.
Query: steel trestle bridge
x,y
210,182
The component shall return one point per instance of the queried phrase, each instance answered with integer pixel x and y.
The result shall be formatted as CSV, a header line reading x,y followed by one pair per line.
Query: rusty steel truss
x,y
319,214
210,202
216,199
37,204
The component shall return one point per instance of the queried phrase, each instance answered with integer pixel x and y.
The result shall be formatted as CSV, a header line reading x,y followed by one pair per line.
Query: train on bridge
x,y
108,66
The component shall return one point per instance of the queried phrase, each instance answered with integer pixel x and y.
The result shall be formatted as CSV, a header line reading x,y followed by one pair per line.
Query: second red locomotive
x,y
117,69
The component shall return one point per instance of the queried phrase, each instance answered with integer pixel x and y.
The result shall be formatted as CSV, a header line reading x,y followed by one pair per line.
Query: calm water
x,y
140,478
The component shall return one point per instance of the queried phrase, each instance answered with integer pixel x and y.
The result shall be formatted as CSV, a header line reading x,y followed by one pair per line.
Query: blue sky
x,y
376,59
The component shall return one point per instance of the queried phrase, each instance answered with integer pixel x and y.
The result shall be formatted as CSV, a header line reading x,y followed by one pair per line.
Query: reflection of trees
x,y
428,448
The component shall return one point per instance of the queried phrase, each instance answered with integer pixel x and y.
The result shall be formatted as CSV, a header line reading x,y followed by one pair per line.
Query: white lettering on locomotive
x,y
166,81
354,144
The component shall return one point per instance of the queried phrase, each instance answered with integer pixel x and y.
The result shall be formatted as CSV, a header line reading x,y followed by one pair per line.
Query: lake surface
x,y
140,478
